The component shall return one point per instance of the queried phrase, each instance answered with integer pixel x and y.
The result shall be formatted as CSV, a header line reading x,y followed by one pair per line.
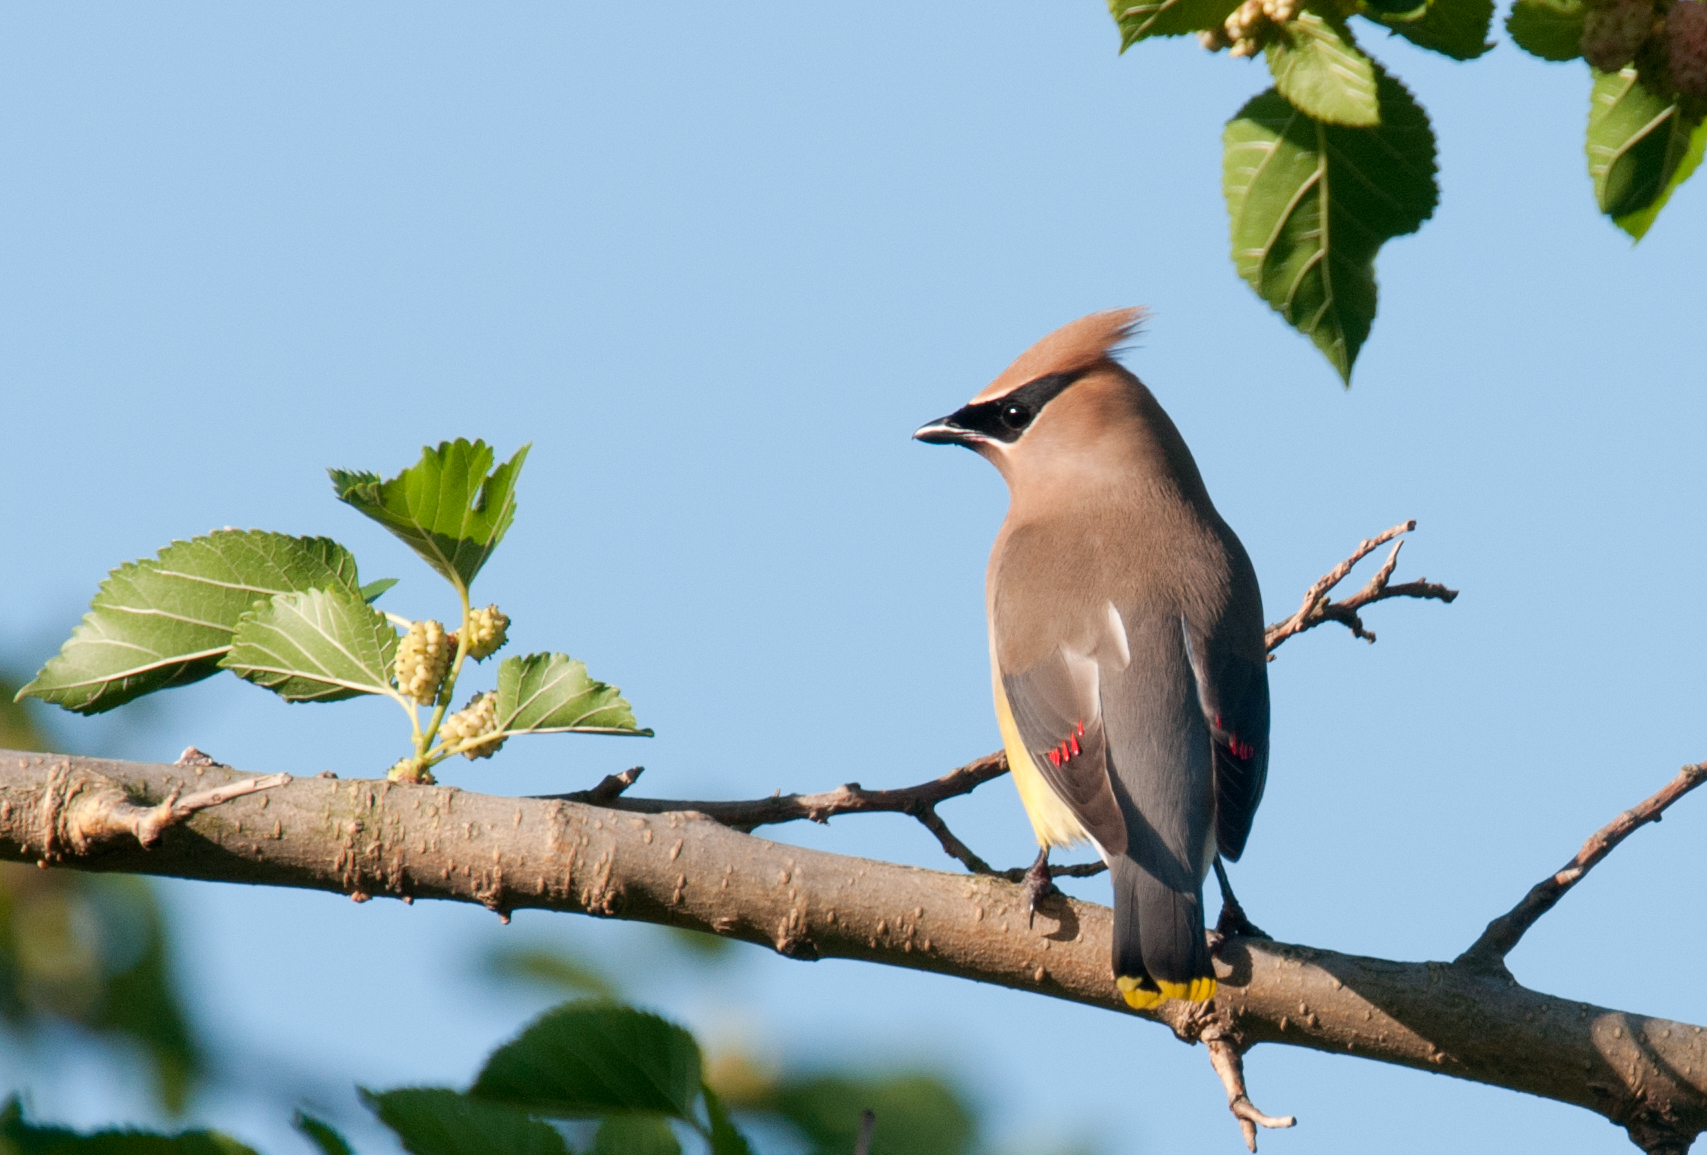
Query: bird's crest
x,y
1072,348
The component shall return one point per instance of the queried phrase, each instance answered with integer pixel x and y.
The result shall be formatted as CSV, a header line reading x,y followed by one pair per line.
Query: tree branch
x,y
1503,934
381,838
1318,608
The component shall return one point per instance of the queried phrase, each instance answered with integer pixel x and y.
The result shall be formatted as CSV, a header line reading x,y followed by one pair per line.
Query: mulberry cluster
x,y
1251,26
423,656
1686,43
479,717
486,632
1614,33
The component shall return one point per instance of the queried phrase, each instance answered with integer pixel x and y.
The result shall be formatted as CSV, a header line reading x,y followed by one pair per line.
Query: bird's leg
x,y
1039,885
1233,922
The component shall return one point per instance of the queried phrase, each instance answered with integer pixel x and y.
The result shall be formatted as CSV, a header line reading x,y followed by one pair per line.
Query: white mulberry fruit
x,y
479,717
1614,34
1686,44
423,656
487,632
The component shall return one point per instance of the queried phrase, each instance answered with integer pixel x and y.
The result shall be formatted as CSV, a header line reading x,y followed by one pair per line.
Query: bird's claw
x,y
1039,885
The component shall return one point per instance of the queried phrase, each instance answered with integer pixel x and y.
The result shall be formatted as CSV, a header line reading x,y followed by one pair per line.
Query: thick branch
x,y
1502,935
367,838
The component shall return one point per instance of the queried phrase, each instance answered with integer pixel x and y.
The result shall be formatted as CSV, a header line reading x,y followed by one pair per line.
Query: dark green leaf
x,y
726,1138
19,1137
1167,17
916,1114
323,1135
168,620
1320,72
1455,28
551,693
1640,146
1310,205
436,1121
553,968
370,592
635,1135
446,508
1550,29
1638,222
586,1059
318,646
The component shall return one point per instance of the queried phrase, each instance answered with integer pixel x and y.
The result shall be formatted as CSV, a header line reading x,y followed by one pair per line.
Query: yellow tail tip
x,y
1141,997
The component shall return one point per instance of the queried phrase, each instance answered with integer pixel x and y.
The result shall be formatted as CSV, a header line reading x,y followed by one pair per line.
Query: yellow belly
x,y
1052,822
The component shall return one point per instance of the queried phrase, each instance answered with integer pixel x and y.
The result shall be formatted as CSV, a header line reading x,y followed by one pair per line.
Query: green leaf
x,y
1310,204
585,1059
447,508
1550,29
167,621
1167,17
436,1121
1455,28
1638,222
1640,145
916,1114
552,694
317,646
18,1137
552,968
726,1138
635,1135
1320,72
323,1135
370,592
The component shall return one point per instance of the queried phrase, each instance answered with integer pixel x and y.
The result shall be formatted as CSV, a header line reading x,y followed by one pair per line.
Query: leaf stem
x,y
425,740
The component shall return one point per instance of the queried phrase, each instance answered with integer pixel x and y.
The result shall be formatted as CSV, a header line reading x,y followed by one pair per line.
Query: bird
x,y
1127,655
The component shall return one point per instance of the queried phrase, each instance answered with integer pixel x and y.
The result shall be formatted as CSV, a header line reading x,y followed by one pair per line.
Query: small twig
x,y
1317,607
955,848
1230,1065
608,790
1489,951
867,1128
81,810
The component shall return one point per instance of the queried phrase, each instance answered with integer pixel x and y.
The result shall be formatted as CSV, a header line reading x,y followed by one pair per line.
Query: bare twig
x,y
80,809
1318,608
1230,1065
1489,951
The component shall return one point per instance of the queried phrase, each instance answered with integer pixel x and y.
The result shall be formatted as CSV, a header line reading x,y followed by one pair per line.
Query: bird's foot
x,y
1039,885
1233,922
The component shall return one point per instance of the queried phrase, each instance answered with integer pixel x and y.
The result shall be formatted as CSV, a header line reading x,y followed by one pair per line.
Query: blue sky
x,y
716,265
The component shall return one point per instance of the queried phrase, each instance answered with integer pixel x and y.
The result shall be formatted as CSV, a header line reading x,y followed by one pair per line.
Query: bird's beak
x,y
947,431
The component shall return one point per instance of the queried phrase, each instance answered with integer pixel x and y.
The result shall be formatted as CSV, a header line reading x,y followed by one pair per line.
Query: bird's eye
x,y
1016,416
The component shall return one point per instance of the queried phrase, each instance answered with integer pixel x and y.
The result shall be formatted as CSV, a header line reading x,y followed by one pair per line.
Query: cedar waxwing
x,y
1126,643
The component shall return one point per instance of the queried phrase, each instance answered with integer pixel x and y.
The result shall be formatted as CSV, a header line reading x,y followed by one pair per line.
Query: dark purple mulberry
x,y
1686,41
1612,35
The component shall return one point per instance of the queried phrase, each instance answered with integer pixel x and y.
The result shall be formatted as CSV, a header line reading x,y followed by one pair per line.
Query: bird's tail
x,y
1160,951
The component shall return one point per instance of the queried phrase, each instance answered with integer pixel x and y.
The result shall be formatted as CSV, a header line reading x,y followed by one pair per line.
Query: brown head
x,y
1067,412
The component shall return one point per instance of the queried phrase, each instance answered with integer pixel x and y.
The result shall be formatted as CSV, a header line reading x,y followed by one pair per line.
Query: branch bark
x,y
367,838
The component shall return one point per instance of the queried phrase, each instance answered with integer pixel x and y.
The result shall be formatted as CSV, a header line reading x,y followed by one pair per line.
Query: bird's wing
x,y
1232,685
1056,705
